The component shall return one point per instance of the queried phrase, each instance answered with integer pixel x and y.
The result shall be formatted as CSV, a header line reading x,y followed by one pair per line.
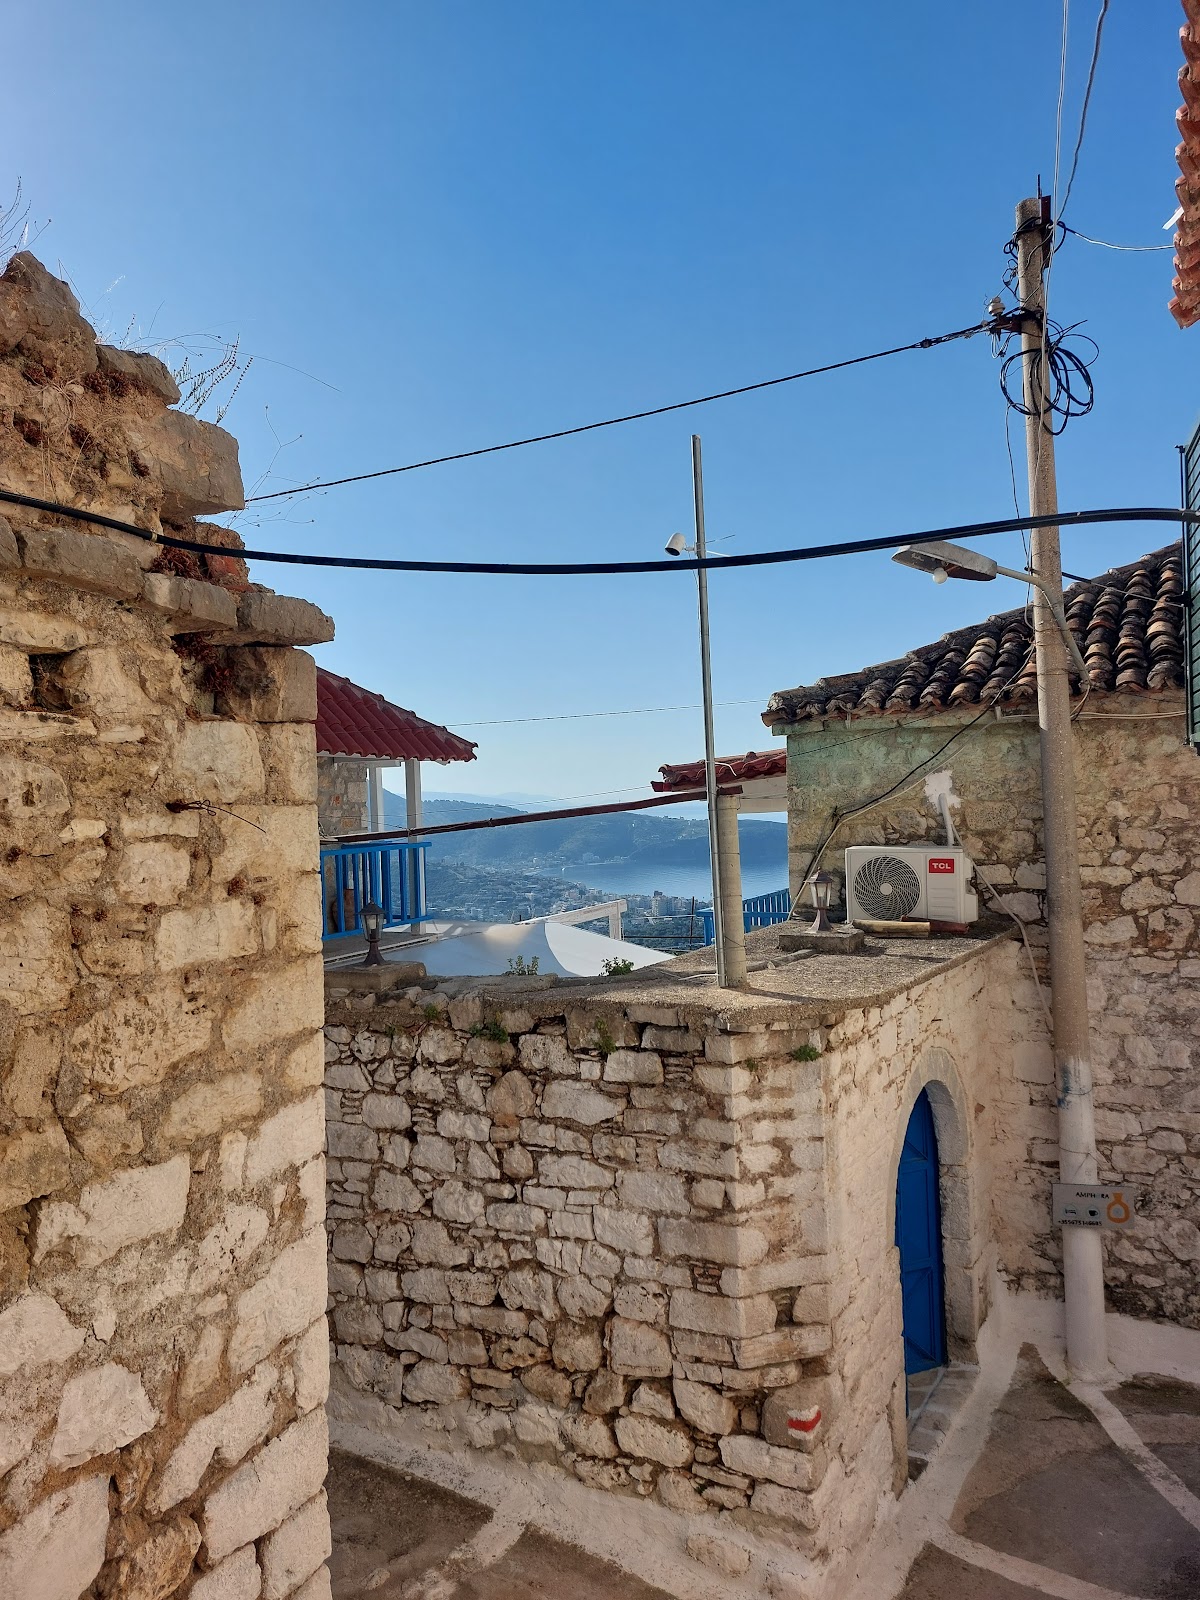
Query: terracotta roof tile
x,y
357,722
1128,624
730,769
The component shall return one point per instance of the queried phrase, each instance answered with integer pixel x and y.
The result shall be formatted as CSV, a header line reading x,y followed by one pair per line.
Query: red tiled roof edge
x,y
352,721
1128,624
1185,306
730,769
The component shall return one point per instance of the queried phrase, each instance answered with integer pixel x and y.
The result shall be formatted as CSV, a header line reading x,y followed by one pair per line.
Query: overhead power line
x,y
1087,100
577,716
630,416
1137,249
575,569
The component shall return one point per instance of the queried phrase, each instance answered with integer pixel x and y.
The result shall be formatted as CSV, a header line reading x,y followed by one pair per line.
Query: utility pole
x,y
710,758
1083,1261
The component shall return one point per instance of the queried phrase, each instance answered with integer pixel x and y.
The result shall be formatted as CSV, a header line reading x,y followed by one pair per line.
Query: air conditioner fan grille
x,y
887,888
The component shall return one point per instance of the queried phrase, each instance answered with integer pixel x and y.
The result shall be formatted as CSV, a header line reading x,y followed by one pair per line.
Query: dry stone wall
x,y
1139,796
163,1355
342,802
624,1237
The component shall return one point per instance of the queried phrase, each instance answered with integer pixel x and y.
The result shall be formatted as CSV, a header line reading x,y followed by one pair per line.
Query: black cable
x,y
1135,249
1070,392
1087,100
631,416
569,569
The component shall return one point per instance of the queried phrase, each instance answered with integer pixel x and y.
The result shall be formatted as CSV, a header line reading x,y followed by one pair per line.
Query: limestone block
x,y
194,463
222,932
282,620
436,1382
704,1407
355,1322
712,1241
203,1366
289,757
286,1140
526,1289
216,761
511,1098
227,1246
56,1551
548,1384
270,685
547,1053
238,1577
33,1162
263,1493
638,1350
392,1191
641,1302
310,1365
158,1565
581,1299
1187,890
135,1204
152,873
147,372
651,1440
276,1005
208,1107
35,967
577,1349
589,1436
633,1066
787,1505
433,1246
712,1313
285,1301
627,1231
89,561
731,1559
391,1111
138,1038
35,1330
573,1172
33,803
318,1587
755,1458
783,1344
296,1549
508,1217
100,1411
653,1191
575,1102
16,680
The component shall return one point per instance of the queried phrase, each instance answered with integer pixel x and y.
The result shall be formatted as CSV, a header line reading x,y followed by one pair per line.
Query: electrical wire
x,y
1070,392
1137,249
631,416
998,902
579,716
567,569
1087,100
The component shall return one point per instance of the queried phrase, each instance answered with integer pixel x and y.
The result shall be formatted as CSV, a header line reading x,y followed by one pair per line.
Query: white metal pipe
x,y
731,891
710,757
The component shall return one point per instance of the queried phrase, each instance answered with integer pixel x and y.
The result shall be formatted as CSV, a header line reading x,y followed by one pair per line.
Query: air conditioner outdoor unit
x,y
922,882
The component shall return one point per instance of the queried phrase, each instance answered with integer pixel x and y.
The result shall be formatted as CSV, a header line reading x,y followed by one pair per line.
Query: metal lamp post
x,y
730,950
371,917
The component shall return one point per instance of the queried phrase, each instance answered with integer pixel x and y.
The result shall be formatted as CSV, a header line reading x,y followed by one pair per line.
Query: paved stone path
x,y
1047,1491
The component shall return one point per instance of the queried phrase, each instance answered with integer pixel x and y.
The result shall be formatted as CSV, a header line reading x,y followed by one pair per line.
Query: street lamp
x,y
944,561
677,545
371,918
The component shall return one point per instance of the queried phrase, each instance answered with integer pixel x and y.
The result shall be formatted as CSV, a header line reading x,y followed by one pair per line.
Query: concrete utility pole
x,y
1083,1261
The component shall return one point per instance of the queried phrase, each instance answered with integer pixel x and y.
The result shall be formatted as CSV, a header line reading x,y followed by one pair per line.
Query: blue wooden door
x,y
919,1240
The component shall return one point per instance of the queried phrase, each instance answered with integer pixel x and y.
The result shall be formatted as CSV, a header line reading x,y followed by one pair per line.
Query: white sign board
x,y
1093,1205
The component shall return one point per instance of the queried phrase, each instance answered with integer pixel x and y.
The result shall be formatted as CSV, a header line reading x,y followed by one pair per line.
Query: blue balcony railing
x,y
352,875
760,912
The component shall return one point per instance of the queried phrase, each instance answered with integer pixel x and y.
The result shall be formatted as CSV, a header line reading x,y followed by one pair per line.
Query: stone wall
x,y
342,798
628,1236
1139,795
163,1356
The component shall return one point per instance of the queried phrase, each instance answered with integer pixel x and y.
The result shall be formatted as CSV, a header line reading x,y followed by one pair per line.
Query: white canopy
x,y
556,946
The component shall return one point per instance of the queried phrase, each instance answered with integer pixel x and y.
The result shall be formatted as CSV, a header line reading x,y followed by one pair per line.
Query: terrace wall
x,y
163,1354
635,1238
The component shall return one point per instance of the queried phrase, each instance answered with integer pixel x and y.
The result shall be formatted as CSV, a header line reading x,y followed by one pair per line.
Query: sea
x,y
621,878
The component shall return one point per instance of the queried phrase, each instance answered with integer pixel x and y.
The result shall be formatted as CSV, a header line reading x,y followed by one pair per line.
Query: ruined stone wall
x,y
342,799
163,1357
627,1237
1139,796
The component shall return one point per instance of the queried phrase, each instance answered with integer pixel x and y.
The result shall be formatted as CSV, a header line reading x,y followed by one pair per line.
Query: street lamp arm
x,y
1054,601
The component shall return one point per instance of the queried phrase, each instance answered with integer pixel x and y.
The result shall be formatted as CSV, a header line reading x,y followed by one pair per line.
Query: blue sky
x,y
469,221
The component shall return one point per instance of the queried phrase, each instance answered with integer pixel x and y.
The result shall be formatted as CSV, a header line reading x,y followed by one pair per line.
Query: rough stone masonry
x,y
163,1351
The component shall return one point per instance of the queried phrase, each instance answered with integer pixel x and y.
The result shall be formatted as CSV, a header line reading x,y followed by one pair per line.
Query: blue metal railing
x,y
760,912
352,875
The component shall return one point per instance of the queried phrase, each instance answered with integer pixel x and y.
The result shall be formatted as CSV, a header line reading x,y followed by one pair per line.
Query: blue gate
x,y
919,1240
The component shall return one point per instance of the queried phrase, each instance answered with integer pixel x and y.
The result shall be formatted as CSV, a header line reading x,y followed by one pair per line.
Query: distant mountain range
x,y
635,838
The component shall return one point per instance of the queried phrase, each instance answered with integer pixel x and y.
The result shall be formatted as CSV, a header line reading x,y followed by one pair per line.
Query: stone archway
x,y
962,1245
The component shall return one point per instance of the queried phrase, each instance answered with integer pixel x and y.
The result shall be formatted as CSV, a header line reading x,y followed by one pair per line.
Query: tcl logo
x,y
941,864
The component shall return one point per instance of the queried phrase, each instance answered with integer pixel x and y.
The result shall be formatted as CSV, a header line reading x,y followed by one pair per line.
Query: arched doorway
x,y
919,1241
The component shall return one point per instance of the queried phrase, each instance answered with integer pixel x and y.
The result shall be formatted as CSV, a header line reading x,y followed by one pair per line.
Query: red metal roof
x,y
357,722
1185,307
730,769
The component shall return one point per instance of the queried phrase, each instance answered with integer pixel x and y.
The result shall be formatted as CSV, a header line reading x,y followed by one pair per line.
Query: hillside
x,y
632,837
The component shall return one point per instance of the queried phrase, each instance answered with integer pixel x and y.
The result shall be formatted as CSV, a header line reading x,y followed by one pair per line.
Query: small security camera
x,y
676,544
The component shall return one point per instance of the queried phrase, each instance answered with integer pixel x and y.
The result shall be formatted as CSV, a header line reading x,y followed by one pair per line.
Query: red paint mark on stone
x,y
806,1421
